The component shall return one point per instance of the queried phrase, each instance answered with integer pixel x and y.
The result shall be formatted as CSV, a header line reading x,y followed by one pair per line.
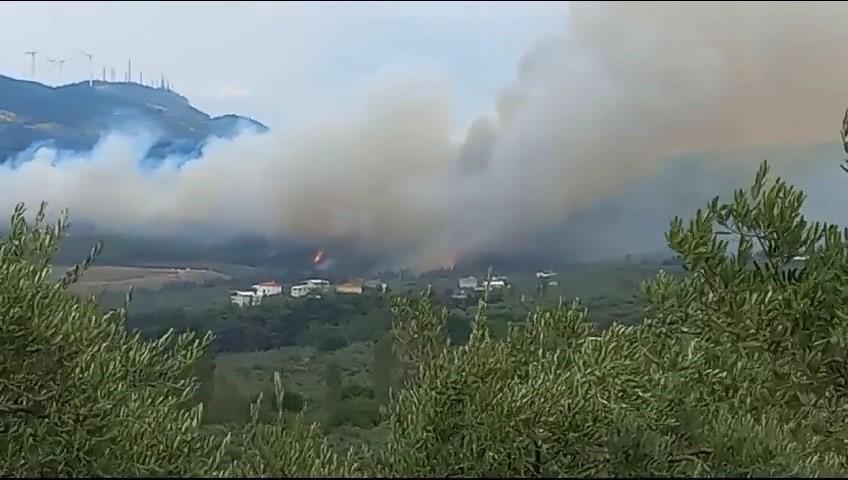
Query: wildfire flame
x,y
319,256
449,263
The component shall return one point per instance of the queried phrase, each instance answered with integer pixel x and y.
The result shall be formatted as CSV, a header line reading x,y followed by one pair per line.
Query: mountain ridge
x,y
75,116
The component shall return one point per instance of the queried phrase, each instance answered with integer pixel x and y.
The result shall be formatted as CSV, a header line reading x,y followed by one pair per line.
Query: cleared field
x,y
118,278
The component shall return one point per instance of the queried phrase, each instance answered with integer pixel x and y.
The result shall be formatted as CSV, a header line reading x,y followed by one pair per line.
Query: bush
x,y
458,326
354,390
332,343
357,411
292,401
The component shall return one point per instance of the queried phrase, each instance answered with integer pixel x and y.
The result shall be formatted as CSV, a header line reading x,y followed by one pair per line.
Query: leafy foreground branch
x,y
739,369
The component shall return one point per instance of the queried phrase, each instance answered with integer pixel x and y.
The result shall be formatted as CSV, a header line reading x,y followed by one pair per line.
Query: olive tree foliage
x,y
739,369
80,396
286,447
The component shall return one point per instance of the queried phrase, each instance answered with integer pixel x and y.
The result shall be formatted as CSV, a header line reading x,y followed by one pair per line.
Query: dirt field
x,y
101,278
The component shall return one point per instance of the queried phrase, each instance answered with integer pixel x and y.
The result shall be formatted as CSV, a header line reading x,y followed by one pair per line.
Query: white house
x,y
300,290
495,284
268,288
546,274
468,283
245,298
317,283
460,295
309,286
377,285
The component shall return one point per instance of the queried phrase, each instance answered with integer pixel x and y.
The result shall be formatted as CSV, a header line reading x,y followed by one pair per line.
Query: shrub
x,y
331,343
354,390
357,411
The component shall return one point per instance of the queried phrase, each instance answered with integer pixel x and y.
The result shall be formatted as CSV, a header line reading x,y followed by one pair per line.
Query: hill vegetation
x,y
74,117
737,369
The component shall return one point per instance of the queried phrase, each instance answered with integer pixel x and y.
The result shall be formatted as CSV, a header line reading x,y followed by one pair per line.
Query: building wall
x,y
268,289
245,300
300,291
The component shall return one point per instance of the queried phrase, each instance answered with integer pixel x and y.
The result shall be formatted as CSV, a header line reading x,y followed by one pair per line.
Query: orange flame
x,y
319,255
449,263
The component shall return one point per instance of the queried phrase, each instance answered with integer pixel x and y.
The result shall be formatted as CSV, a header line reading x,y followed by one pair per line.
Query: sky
x,y
280,62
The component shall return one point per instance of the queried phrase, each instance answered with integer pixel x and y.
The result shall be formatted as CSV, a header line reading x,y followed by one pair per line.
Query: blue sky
x,y
282,62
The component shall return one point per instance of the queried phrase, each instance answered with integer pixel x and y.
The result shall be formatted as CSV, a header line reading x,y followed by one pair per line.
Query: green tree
x,y
382,369
333,388
286,448
82,397
204,372
74,381
738,370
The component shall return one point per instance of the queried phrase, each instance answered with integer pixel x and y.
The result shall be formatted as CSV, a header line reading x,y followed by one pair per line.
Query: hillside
x,y
74,116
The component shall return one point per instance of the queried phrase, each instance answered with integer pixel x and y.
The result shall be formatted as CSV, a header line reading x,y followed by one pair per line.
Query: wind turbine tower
x,y
32,54
90,69
52,67
61,62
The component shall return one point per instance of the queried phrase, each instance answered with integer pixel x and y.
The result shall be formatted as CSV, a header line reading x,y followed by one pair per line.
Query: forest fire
x,y
318,258
449,263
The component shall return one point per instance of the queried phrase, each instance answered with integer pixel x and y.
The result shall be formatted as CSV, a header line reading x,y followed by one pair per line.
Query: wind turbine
x,y
52,66
61,62
90,69
32,54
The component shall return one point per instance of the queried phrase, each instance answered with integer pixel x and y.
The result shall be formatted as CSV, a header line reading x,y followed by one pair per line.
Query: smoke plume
x,y
625,88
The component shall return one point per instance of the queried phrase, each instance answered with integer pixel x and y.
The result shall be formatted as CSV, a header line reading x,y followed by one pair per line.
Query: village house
x,y
468,283
349,288
545,275
376,285
309,286
460,295
496,283
268,288
300,290
254,296
318,283
245,298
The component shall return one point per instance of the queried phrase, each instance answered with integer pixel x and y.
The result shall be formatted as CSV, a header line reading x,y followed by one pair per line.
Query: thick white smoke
x,y
624,88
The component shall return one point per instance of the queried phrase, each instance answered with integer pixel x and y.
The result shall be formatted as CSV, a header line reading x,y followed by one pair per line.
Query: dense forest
x,y
737,369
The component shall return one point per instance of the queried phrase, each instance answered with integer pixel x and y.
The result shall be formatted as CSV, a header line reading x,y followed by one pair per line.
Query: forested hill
x,y
75,116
